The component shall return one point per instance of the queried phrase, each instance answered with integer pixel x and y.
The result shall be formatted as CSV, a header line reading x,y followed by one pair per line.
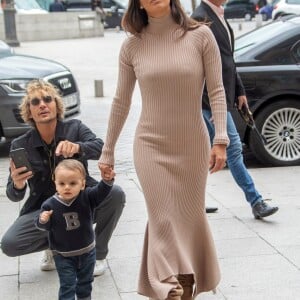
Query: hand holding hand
x,y
107,171
217,158
67,149
18,177
45,216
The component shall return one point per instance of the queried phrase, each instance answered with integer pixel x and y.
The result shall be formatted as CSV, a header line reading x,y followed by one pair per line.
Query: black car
x,y
77,4
114,9
268,61
15,72
87,4
235,9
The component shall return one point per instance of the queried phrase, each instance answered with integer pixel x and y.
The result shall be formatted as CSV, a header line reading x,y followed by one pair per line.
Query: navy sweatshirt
x,y
71,224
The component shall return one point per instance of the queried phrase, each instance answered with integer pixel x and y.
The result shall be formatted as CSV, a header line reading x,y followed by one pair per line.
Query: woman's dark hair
x,y
136,19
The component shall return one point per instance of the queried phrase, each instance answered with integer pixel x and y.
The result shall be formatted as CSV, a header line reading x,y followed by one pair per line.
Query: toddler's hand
x,y
45,216
107,171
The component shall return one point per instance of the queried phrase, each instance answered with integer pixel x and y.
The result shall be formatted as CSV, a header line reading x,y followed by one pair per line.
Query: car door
x,y
235,9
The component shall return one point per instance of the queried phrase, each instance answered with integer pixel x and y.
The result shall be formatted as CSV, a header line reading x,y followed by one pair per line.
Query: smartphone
x,y
20,159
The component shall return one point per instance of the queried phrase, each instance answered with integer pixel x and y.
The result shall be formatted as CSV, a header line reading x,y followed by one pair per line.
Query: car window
x,y
238,2
28,4
118,3
282,54
293,1
274,2
122,3
257,37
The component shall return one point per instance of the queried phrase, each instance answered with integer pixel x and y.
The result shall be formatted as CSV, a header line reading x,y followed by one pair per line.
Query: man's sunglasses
x,y
37,101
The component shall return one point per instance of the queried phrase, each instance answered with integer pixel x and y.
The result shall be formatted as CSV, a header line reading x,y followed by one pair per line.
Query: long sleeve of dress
x,y
216,93
120,106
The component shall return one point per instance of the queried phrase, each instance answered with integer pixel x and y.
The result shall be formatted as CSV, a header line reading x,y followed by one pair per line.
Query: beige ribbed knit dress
x,y
171,148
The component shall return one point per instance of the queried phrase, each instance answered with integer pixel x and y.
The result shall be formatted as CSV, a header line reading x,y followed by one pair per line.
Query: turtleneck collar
x,y
160,25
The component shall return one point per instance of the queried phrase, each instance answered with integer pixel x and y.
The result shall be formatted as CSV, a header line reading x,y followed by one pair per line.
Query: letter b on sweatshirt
x,y
71,220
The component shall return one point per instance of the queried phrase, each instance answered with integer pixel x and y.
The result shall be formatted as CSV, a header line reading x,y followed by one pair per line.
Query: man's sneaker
x,y
99,267
47,263
261,210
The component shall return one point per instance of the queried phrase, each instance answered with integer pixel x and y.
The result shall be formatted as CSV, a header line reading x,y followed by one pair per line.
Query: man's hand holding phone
x,y
20,168
18,175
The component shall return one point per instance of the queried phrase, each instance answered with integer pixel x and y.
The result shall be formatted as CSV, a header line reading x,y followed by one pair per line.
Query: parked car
x,y
86,4
235,9
286,7
268,61
26,7
77,4
15,72
114,9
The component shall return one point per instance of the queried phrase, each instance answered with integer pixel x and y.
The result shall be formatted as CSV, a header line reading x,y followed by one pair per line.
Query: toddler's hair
x,y
71,164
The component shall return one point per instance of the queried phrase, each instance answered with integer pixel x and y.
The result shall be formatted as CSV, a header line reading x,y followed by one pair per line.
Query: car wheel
x,y
280,125
248,17
264,17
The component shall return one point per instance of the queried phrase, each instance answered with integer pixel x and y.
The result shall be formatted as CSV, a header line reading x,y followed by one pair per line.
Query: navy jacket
x,y
231,80
41,185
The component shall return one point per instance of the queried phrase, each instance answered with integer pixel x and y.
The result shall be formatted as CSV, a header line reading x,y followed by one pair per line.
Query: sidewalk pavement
x,y
259,259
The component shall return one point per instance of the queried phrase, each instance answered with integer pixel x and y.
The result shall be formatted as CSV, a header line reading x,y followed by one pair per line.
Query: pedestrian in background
x,y
97,6
212,11
50,140
68,217
171,55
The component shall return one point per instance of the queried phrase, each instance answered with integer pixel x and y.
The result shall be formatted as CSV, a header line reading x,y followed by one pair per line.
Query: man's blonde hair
x,y
40,85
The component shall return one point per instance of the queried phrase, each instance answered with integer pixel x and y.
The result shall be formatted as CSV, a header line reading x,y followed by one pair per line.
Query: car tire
x,y
279,123
248,16
264,17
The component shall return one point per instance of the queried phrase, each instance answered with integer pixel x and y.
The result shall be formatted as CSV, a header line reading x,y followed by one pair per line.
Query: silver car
x,y
15,72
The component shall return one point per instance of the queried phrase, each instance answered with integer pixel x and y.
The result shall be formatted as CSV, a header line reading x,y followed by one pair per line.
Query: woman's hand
x,y
217,158
107,171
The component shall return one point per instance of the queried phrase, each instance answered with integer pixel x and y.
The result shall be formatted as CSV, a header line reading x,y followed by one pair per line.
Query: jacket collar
x,y
215,19
59,135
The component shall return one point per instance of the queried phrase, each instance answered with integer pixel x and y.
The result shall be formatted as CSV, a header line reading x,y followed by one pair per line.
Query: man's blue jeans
x,y
75,275
235,159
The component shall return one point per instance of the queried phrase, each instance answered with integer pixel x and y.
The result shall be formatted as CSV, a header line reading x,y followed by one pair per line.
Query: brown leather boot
x,y
187,282
175,294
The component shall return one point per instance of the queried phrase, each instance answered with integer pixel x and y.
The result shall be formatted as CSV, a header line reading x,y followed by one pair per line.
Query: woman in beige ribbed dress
x,y
172,152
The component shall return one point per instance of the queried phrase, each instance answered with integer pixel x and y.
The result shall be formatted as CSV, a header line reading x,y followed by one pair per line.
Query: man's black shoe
x,y
210,210
262,209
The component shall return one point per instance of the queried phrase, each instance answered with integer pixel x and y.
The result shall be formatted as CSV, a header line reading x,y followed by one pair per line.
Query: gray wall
x,y
55,26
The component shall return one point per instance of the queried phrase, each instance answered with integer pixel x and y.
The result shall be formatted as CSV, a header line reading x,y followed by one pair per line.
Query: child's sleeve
x,y
43,226
99,192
